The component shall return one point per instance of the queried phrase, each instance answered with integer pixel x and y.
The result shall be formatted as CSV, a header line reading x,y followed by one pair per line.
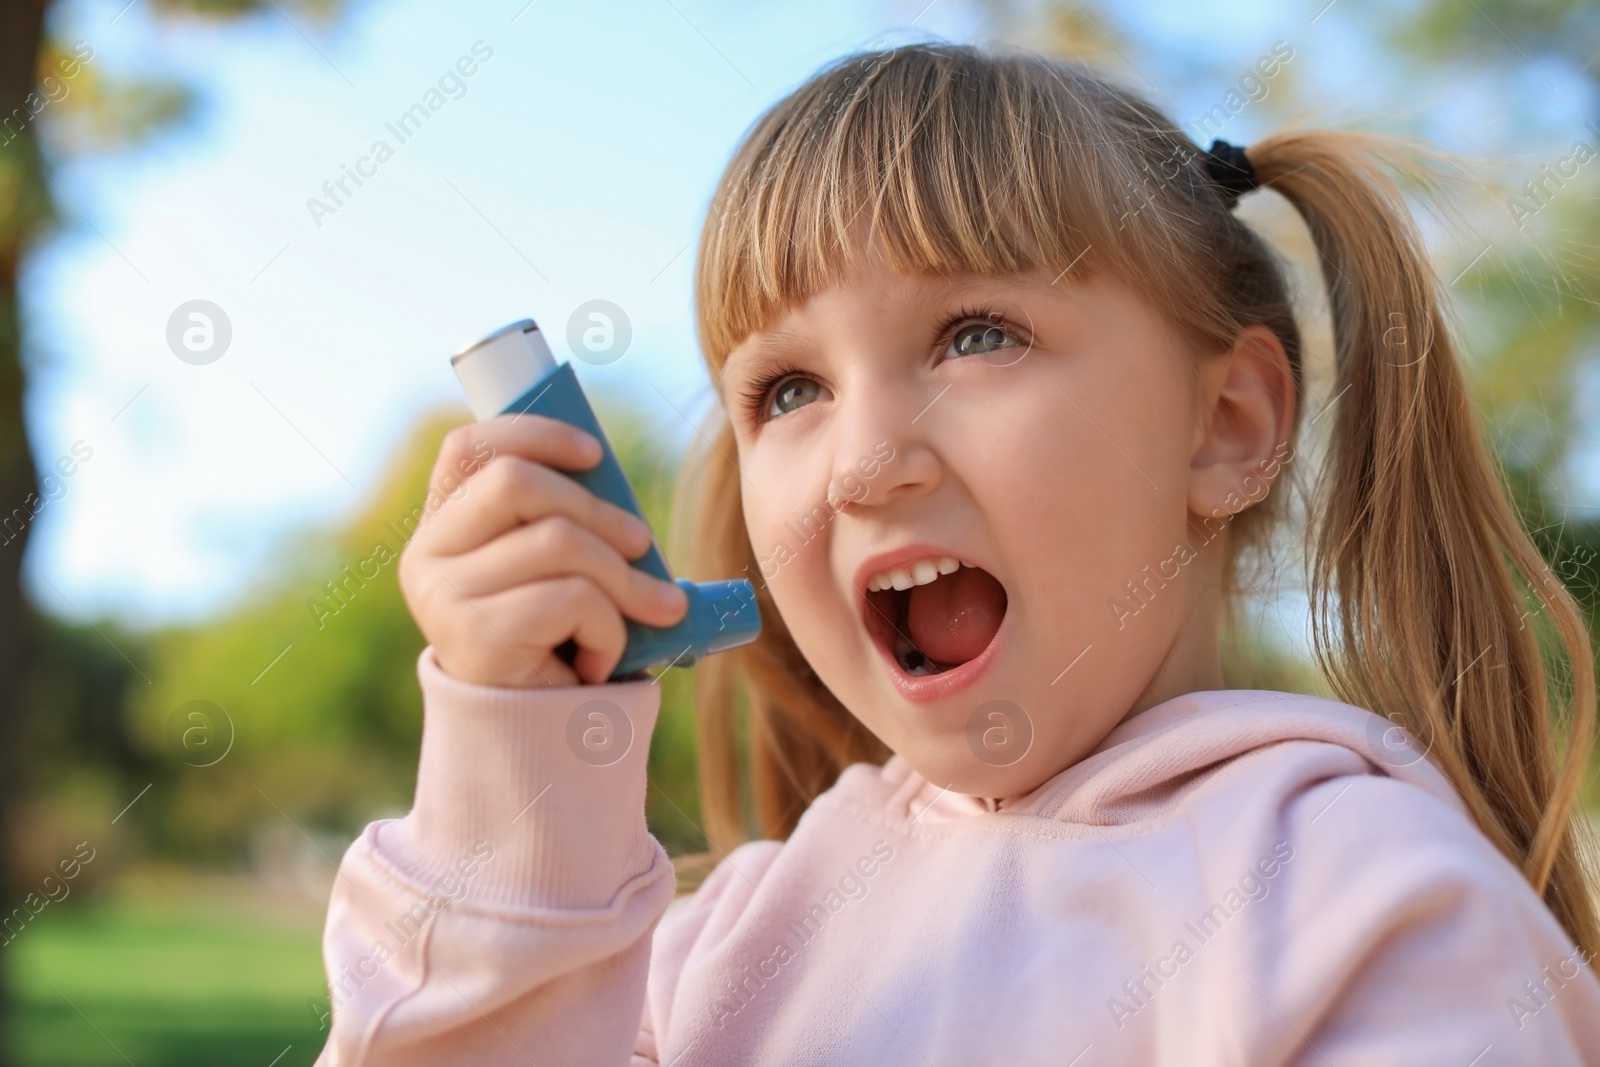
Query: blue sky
x,y
576,164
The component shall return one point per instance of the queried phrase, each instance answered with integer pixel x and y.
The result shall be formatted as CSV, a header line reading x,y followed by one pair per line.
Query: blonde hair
x,y
964,160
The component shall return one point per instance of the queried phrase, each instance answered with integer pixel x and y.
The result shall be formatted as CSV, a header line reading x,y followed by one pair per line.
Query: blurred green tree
x,y
101,113
315,674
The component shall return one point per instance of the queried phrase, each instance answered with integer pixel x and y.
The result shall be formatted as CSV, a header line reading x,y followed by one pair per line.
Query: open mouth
x,y
945,617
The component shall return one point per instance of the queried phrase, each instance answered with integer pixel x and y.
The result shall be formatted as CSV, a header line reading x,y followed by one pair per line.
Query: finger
x,y
556,546
541,616
469,642
512,491
468,448
479,639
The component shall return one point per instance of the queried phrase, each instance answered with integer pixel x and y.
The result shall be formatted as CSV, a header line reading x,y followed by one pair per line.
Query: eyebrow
x,y
765,350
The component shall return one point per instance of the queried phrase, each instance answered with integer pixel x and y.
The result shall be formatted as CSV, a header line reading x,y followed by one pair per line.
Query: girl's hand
x,y
525,559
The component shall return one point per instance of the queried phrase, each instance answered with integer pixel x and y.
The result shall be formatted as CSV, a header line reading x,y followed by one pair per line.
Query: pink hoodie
x,y
1232,877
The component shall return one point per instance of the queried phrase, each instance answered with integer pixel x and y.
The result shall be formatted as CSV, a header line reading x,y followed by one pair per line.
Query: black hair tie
x,y
1230,171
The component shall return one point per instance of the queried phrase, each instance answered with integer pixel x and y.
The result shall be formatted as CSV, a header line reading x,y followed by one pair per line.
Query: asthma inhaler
x,y
512,370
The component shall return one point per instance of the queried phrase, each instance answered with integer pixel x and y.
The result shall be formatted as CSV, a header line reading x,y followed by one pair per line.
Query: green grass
x,y
164,982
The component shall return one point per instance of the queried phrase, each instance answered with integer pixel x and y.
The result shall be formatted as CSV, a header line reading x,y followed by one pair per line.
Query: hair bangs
x,y
938,160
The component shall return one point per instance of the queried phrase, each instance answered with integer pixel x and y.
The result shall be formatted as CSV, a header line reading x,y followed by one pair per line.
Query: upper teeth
x,y
921,572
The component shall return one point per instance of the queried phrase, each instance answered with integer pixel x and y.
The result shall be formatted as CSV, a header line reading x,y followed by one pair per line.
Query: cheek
x,y
791,526
784,505
1086,491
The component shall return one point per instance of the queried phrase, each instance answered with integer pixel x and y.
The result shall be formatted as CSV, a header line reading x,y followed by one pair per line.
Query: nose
x,y
884,452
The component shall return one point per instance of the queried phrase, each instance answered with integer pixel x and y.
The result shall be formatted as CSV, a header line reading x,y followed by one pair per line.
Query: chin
x,y
954,766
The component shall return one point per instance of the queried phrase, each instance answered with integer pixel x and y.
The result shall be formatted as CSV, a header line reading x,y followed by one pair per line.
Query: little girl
x,y
1005,386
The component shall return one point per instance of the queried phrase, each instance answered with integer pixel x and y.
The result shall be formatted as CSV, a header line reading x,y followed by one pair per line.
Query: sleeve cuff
x,y
533,797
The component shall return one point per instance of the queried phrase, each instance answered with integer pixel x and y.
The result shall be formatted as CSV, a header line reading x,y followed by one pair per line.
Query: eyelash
x,y
757,396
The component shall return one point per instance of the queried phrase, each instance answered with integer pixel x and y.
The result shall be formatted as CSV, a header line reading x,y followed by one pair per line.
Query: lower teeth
x,y
912,661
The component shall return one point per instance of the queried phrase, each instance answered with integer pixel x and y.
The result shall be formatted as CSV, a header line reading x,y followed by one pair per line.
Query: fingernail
x,y
636,530
586,443
671,594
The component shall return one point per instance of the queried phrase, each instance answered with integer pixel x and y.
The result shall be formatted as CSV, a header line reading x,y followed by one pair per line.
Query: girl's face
x,y
1052,439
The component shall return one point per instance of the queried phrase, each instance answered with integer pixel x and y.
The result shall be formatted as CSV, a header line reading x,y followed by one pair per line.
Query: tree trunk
x,y
21,37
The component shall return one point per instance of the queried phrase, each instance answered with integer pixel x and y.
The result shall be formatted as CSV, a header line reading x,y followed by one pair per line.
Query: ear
x,y
1245,409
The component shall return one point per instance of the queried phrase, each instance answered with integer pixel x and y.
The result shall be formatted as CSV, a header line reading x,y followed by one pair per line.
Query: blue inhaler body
x,y
512,370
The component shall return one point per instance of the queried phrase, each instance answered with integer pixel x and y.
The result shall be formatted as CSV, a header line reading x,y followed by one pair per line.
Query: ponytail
x,y
1417,560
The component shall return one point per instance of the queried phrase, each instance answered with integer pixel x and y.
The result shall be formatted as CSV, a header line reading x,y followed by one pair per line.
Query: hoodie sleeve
x,y
508,917
1418,942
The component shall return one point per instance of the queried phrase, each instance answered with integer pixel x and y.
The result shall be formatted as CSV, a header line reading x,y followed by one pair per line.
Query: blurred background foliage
x,y
314,674
202,946
194,936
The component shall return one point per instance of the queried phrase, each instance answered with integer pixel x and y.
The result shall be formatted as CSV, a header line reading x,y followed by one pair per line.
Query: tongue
x,y
954,618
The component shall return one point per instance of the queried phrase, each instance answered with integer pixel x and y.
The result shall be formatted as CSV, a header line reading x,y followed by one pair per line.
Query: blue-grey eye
x,y
980,339
794,393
